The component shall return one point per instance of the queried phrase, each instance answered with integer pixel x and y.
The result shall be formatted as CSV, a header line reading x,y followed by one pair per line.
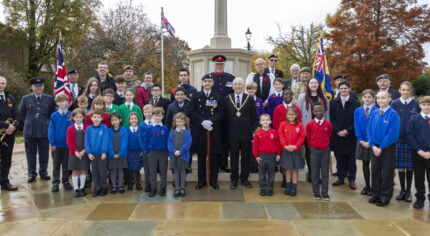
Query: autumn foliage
x,y
371,37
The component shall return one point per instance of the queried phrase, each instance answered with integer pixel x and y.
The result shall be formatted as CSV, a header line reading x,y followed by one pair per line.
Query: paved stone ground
x,y
34,210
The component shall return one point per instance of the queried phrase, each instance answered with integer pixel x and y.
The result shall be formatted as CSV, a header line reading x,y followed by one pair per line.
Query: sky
x,y
193,20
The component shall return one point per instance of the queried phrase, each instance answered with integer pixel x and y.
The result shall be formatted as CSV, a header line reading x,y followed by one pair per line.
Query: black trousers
x,y
383,173
346,166
245,152
223,157
6,149
34,146
421,166
201,162
60,159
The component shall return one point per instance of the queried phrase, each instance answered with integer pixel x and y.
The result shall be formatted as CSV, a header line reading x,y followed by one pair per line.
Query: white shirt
x,y
129,104
109,106
344,98
278,94
407,100
424,115
179,129
250,78
370,106
318,121
74,88
81,126
120,94
134,129
385,109
207,92
288,105
155,124
149,122
240,97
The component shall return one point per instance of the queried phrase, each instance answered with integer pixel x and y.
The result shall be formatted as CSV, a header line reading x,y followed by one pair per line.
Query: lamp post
x,y
248,35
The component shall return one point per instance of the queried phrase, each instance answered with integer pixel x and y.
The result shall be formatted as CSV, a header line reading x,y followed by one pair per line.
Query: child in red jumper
x,y
291,136
318,132
266,150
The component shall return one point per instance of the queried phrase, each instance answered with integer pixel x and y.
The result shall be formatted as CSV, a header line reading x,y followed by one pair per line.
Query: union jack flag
x,y
61,83
165,24
321,71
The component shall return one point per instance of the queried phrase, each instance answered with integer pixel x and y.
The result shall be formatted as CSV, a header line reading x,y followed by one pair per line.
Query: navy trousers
x,y
34,147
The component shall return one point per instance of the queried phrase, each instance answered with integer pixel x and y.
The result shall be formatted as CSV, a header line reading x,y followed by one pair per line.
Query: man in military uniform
x,y
35,109
206,116
76,90
223,83
8,114
132,81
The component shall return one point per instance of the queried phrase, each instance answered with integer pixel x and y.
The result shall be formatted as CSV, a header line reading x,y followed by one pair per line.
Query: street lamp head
x,y
248,34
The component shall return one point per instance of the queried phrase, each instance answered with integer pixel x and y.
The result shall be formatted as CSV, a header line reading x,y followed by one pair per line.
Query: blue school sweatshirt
x,y
184,149
405,112
96,140
418,131
156,138
133,140
141,134
123,142
361,123
383,130
57,130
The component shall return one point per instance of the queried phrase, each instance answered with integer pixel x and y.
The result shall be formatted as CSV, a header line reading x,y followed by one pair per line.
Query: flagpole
x,y
162,59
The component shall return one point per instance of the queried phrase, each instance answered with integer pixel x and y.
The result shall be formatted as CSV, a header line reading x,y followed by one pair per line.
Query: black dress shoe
x,y
381,203
147,188
262,192
269,192
152,193
246,183
103,192
96,193
401,196
284,184
46,177
338,182
334,174
215,186
365,191
182,192
76,193
408,197
225,169
31,179
233,184
130,187
55,188
200,185
419,203
113,191
188,170
138,187
82,192
67,186
121,190
8,187
162,192
176,193
374,200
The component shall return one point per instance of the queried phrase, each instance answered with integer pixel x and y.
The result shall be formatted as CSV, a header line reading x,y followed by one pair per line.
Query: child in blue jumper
x,y
96,146
143,126
117,153
179,144
417,132
134,157
275,98
156,148
361,121
58,125
383,132
406,107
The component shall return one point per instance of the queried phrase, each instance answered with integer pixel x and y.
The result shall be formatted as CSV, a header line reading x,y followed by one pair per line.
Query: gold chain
x,y
241,106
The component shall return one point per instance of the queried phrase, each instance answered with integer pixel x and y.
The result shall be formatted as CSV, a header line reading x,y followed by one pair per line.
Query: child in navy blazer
x,y
179,144
117,153
406,107
417,132
275,98
134,157
383,132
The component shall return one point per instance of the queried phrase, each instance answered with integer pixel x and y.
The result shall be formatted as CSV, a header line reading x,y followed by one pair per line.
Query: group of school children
x,y
119,142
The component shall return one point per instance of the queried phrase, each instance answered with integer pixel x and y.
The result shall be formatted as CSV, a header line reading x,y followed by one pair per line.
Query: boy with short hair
x,y
109,97
121,84
417,136
156,99
58,125
266,150
275,98
155,145
96,146
83,104
147,113
319,131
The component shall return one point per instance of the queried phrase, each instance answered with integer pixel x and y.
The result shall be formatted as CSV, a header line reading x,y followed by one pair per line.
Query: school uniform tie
x,y
367,112
238,101
2,98
319,122
381,112
406,103
129,107
155,102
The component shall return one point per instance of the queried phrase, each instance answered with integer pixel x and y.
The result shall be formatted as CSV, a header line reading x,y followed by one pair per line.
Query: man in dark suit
x,y
35,109
156,99
206,116
76,90
240,114
295,76
335,92
8,110
383,81
273,62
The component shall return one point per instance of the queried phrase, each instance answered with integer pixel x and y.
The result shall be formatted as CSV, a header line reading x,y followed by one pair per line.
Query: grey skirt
x,y
117,163
362,153
79,164
291,160
178,163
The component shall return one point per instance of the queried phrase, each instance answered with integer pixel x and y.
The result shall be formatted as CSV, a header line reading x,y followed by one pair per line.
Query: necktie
x,y
121,95
367,112
79,128
2,98
319,122
381,112
406,103
279,95
134,130
207,95
237,101
38,98
155,101
129,107
72,91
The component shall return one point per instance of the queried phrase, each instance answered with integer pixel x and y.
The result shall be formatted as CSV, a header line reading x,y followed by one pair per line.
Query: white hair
x,y
295,66
238,78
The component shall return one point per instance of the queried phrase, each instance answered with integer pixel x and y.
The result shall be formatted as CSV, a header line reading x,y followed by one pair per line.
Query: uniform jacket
x,y
36,115
174,108
278,73
184,149
123,140
8,109
57,130
97,140
190,90
71,139
222,83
